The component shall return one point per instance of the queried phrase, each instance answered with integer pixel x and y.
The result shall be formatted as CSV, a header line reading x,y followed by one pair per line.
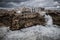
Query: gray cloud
x,y
12,0
9,3
30,3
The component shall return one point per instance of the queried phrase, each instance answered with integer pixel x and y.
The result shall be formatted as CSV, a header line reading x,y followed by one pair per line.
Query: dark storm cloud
x,y
12,0
4,4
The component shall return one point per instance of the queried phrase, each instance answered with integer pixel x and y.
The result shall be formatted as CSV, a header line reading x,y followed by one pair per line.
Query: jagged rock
x,y
55,16
6,17
18,21
26,20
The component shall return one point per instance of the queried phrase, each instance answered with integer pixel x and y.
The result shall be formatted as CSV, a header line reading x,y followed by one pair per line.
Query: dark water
x,y
30,3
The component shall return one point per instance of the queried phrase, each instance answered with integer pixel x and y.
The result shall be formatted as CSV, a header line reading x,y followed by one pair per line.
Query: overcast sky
x,y
12,0
32,3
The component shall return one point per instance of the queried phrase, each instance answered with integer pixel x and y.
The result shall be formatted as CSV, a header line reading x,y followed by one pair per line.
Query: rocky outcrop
x,y
20,20
55,16
26,18
6,17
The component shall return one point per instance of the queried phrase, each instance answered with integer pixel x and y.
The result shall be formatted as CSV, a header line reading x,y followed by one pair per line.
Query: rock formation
x,y
6,17
20,20
55,16
26,18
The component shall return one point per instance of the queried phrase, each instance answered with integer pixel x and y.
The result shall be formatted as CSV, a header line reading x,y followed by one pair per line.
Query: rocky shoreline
x,y
26,17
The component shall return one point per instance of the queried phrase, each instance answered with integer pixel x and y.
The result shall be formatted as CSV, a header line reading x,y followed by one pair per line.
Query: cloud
x,y
48,4
36,3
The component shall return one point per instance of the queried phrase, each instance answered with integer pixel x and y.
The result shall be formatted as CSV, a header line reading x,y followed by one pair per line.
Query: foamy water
x,y
48,20
37,32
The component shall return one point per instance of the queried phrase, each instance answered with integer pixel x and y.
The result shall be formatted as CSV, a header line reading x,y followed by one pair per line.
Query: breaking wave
x,y
37,32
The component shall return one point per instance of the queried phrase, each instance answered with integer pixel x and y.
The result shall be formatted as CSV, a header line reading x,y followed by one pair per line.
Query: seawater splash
x,y
49,20
37,32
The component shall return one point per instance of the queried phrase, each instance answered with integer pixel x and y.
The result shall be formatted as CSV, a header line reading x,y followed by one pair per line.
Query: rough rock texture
x,y
26,20
55,16
20,20
6,17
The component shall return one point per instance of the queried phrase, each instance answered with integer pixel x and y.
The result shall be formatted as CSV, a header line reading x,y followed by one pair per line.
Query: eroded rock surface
x,y
26,18
20,20
55,16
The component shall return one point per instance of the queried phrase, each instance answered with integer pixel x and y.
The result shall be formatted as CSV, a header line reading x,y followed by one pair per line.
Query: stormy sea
x,y
38,32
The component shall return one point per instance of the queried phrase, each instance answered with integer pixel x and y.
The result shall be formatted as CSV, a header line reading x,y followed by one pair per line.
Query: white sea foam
x,y
33,32
48,20
3,31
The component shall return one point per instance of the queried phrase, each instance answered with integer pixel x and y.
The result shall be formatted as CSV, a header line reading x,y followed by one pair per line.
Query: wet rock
x,y
20,21
6,17
26,18
55,16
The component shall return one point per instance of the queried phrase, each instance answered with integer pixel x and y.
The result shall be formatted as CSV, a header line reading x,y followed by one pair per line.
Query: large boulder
x,y
20,21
